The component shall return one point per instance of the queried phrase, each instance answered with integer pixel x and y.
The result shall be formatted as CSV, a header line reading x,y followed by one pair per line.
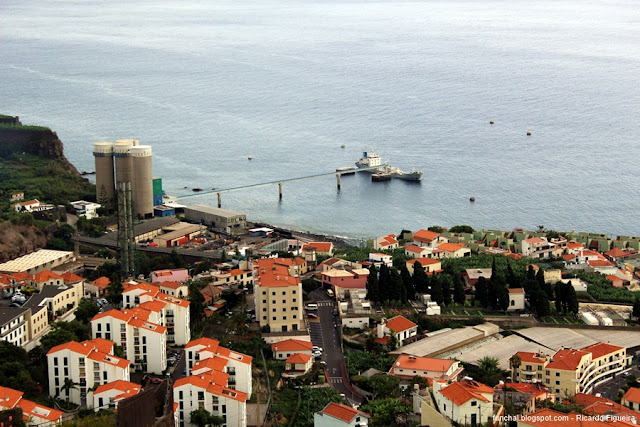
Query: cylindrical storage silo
x,y
142,187
105,188
123,161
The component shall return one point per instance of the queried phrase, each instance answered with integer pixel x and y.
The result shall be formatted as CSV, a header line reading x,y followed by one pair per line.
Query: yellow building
x,y
278,296
570,371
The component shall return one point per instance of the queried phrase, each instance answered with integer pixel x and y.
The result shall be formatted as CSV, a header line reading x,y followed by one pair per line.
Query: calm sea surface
x,y
288,82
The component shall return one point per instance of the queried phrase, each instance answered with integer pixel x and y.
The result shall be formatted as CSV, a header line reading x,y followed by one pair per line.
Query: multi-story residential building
x,y
143,340
237,365
570,371
278,297
379,259
85,363
428,239
14,325
402,327
202,392
107,396
46,277
465,402
522,396
283,349
97,288
339,415
346,278
415,251
537,247
171,312
232,277
174,289
407,366
33,413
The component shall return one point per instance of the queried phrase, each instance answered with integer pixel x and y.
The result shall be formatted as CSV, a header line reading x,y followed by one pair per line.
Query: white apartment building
x,y
171,312
34,413
85,363
144,341
14,327
202,392
537,247
237,365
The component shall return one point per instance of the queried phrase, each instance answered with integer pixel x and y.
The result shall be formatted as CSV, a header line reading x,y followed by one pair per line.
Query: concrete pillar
x,y
219,200
280,190
338,176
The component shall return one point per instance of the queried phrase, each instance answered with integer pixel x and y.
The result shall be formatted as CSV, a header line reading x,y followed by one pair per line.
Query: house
x,y
407,366
297,364
537,247
283,349
522,396
549,417
320,248
465,402
471,276
401,326
452,250
202,391
236,365
616,282
17,195
389,241
603,408
46,277
617,255
571,371
86,209
346,278
34,414
339,415
27,206
278,296
631,398
211,294
232,277
13,325
174,289
415,251
331,263
170,275
98,287
428,239
139,333
429,265
378,259
516,299
85,363
107,396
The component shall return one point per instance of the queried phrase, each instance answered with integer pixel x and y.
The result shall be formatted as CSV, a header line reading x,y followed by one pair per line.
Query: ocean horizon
x,y
289,82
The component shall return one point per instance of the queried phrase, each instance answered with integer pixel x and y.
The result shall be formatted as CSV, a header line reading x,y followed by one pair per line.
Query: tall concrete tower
x,y
105,188
142,187
123,161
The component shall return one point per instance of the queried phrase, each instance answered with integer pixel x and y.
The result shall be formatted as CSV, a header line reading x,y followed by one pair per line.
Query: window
x,y
540,376
274,317
180,395
99,326
557,374
284,301
273,310
284,308
65,361
273,302
264,301
474,403
528,368
284,292
547,381
264,292
295,316
264,317
547,372
273,293
294,300
264,309
557,382
108,326
201,395
55,360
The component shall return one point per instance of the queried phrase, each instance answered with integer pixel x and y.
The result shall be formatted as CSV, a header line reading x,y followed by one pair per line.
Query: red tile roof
x,y
126,389
550,418
45,276
595,405
531,357
271,275
569,257
425,236
616,253
425,261
33,409
207,383
208,343
600,349
463,391
567,360
516,290
535,389
574,245
298,358
319,246
400,323
101,282
414,248
171,285
342,412
632,395
10,397
451,247
534,240
422,363
69,277
291,345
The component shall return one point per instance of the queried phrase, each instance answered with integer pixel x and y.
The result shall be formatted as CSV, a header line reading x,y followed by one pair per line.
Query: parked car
x,y
156,380
312,316
335,312
316,348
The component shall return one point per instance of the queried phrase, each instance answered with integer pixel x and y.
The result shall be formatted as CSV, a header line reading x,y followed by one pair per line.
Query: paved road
x,y
325,333
611,387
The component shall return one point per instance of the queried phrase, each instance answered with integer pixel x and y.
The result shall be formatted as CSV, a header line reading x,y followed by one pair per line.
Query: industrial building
x,y
125,161
221,220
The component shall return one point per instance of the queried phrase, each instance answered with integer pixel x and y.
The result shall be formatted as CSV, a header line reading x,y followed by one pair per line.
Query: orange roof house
x,y
425,236
337,413
321,248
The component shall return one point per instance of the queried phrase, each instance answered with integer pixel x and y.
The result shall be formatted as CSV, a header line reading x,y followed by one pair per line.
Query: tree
x,y
393,342
458,290
68,385
203,418
397,290
373,290
482,293
436,292
384,279
196,306
419,278
514,363
63,332
461,229
407,281
385,412
114,290
503,298
86,310
446,289
572,299
636,308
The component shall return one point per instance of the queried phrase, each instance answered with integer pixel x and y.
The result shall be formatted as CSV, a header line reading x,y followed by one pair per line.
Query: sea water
x,y
209,84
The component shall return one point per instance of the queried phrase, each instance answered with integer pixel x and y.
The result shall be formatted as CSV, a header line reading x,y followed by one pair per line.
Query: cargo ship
x,y
372,159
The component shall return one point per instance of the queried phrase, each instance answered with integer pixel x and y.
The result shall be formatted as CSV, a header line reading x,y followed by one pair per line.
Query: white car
x,y
317,353
316,348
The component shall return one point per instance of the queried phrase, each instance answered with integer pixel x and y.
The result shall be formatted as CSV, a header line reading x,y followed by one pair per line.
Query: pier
x,y
219,192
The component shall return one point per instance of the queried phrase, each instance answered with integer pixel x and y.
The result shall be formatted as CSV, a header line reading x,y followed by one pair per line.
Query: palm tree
x,y
514,363
68,386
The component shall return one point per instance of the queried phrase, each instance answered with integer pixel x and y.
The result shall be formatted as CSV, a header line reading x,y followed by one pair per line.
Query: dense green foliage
x,y
487,371
601,289
387,412
286,403
461,229
359,361
86,310
379,385
62,332
17,371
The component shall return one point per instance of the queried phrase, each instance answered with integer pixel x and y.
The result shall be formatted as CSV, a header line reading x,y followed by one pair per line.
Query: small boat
x,y
346,170
380,177
250,157
342,146
196,189
491,122
528,133
472,199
